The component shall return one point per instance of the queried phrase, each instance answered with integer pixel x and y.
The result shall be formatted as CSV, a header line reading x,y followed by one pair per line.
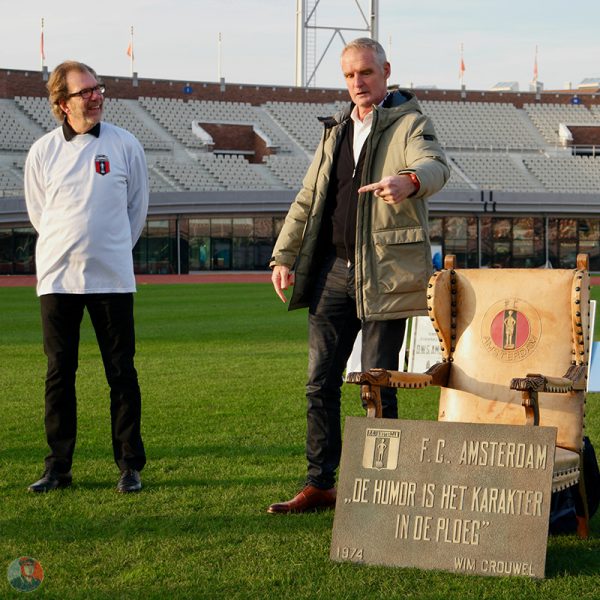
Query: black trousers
x,y
112,319
332,330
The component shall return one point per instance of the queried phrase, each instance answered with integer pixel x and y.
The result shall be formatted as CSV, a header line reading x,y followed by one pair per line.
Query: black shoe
x,y
51,480
129,481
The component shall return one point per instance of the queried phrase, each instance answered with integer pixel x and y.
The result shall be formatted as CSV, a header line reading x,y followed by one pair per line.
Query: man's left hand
x,y
392,189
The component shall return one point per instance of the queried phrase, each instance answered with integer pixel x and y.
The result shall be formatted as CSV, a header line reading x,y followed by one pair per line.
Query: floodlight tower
x,y
307,63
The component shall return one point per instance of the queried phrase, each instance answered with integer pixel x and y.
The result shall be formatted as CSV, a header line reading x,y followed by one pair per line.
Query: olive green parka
x,y
393,254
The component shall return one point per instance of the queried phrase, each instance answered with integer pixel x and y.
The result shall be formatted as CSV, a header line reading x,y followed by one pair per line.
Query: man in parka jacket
x,y
357,239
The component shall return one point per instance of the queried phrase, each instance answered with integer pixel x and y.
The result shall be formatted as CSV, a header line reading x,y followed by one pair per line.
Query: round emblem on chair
x,y
511,329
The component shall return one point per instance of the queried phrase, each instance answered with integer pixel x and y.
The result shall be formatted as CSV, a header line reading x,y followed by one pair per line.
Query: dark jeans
x,y
332,330
112,319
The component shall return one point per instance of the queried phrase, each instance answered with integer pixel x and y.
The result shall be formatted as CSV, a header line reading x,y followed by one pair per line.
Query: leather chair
x,y
515,346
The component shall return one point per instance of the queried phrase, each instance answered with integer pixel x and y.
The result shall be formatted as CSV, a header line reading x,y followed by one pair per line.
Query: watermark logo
x,y
25,574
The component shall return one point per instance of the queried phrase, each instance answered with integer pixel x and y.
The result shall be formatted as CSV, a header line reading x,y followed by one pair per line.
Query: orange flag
x,y
42,52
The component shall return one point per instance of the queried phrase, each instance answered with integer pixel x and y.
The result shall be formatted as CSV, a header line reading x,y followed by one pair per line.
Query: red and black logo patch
x,y
102,164
511,329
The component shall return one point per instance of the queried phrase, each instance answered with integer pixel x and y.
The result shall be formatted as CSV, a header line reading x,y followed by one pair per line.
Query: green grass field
x,y
222,369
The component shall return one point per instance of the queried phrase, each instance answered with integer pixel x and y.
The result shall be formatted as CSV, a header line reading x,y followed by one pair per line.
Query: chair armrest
x,y
541,383
440,373
372,381
535,383
578,375
394,379
574,379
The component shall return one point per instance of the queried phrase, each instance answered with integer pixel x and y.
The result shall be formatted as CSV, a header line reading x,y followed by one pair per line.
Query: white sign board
x,y
424,350
354,362
593,380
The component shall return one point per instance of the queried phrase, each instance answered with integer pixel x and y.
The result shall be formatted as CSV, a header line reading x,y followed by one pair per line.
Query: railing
x,y
585,150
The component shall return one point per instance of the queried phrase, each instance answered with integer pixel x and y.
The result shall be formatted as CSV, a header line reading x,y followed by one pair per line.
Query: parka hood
x,y
397,101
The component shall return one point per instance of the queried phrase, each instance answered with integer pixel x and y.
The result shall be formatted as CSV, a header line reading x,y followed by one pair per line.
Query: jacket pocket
x,y
401,258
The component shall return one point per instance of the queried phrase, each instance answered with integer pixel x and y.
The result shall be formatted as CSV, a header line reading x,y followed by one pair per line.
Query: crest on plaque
x,y
511,329
382,447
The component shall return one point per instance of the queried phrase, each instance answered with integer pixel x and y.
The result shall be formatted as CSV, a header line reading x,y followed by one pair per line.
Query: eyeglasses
x,y
86,93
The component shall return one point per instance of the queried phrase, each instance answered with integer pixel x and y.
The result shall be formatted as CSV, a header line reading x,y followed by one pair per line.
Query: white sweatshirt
x,y
88,200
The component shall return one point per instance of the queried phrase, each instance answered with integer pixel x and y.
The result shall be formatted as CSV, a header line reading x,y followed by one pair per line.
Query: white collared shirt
x,y
88,200
361,129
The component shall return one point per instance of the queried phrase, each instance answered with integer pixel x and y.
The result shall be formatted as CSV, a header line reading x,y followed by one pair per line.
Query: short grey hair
x,y
374,45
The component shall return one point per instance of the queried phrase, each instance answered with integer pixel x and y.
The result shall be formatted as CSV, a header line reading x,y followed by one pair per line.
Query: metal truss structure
x,y
307,61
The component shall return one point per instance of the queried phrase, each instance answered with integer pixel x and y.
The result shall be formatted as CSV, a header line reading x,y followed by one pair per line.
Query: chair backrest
x,y
498,324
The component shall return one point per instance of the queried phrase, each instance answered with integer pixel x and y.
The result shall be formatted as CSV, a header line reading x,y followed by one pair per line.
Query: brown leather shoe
x,y
310,499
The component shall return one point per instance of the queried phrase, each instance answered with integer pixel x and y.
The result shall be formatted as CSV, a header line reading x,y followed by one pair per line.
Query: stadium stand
x,y
214,149
120,112
290,170
188,176
11,183
159,182
300,120
177,117
124,114
496,171
17,132
38,110
458,180
547,117
492,145
566,173
235,172
475,125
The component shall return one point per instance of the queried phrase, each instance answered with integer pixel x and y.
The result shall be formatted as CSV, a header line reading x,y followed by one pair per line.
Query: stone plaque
x,y
461,497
